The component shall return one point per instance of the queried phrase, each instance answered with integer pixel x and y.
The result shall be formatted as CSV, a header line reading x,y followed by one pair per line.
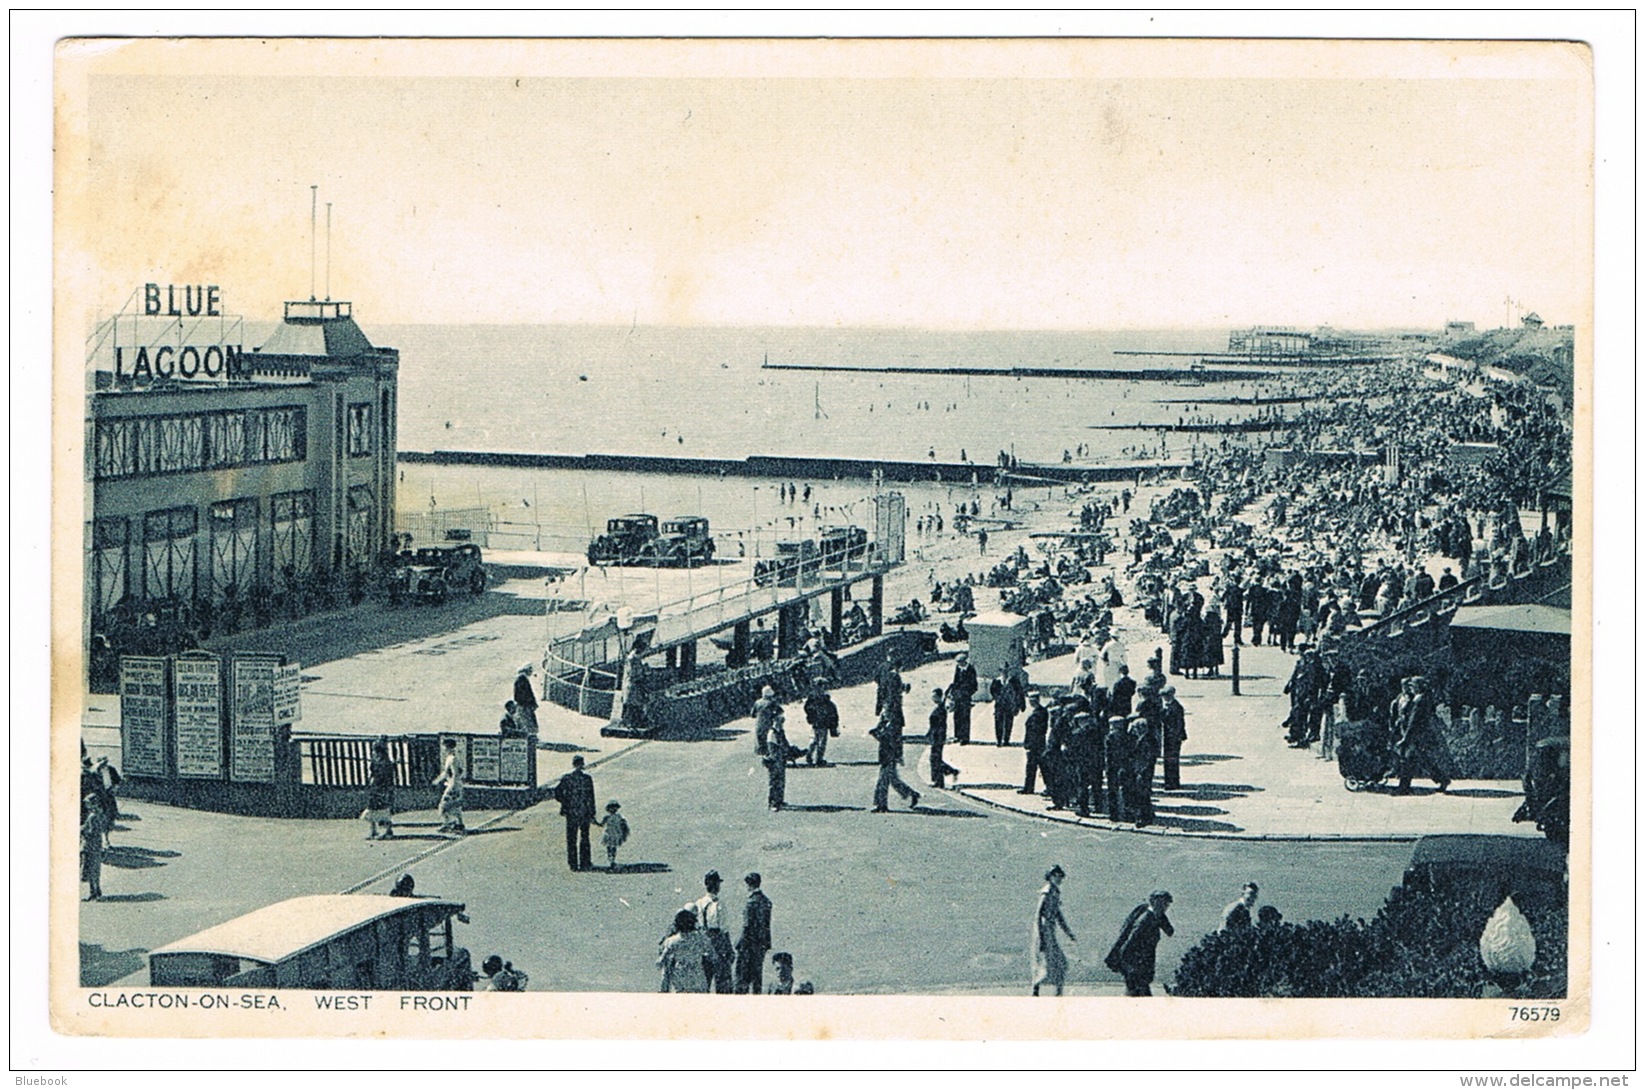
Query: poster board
x,y
251,728
198,741
143,701
485,759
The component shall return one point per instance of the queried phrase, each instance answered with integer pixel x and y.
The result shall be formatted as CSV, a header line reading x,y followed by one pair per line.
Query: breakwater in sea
x,y
1234,373
799,468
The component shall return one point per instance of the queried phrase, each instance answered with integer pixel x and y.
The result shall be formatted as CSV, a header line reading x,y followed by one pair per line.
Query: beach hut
x,y
997,640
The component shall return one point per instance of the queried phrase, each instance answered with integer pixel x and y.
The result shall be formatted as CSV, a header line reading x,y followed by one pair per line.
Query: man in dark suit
x,y
1173,732
962,690
1133,953
1033,739
755,940
1119,697
576,794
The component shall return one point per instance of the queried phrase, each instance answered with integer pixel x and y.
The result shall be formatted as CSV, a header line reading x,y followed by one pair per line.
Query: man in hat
x,y
963,689
711,921
1118,756
768,714
1173,732
525,702
1145,751
1132,955
1034,729
1418,750
755,940
824,717
575,792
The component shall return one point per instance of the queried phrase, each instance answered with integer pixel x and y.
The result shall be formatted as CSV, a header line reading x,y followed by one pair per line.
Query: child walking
x,y
616,832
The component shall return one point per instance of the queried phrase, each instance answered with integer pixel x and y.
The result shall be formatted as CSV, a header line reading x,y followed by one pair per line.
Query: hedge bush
x,y
1422,944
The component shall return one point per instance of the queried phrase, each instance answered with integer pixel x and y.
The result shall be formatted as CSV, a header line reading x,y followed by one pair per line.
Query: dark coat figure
x,y
1004,695
1132,955
1233,606
1307,691
1117,755
887,685
525,703
1418,749
575,792
1173,733
962,690
824,717
1257,605
1119,699
775,759
1210,648
1034,730
755,940
938,722
888,733
1145,750
1287,615
1086,748
1058,761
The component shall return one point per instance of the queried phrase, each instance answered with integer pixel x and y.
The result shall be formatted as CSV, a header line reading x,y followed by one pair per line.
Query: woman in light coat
x,y
1049,963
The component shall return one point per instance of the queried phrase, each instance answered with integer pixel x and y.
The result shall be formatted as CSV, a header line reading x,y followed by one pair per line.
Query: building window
x,y
110,580
149,446
292,518
168,553
233,549
359,428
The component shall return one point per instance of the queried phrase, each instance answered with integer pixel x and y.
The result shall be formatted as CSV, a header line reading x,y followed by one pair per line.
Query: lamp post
x,y
1508,950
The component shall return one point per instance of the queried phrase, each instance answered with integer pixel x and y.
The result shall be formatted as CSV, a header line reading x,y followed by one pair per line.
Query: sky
x,y
1087,187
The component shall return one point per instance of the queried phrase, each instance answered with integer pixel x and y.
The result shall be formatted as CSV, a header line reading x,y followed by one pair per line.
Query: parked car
x,y
683,542
433,573
624,541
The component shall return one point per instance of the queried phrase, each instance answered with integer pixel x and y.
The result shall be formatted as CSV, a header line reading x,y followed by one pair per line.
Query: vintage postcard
x,y
964,539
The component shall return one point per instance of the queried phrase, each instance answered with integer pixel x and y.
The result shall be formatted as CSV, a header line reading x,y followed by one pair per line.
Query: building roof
x,y
333,336
1526,617
996,619
275,932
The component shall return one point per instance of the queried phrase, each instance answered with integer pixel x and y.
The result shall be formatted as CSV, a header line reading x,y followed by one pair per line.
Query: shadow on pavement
x,y
1203,811
1483,793
635,868
821,807
1194,825
129,858
1194,760
132,898
99,966
989,786
944,811
1210,792
565,747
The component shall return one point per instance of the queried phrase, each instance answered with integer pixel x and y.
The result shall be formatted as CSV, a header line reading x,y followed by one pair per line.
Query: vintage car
x,y
683,542
338,941
433,573
624,541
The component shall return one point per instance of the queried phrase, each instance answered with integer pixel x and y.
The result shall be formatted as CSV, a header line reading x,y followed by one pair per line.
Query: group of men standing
x,y
697,954
1097,747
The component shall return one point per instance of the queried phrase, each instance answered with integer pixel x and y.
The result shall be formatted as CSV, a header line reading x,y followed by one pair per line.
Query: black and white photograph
x,y
988,538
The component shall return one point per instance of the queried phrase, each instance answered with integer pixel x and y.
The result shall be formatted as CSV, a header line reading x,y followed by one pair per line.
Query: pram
x,y
1363,755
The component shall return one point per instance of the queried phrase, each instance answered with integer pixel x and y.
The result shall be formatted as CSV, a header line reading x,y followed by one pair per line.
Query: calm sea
x,y
702,392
